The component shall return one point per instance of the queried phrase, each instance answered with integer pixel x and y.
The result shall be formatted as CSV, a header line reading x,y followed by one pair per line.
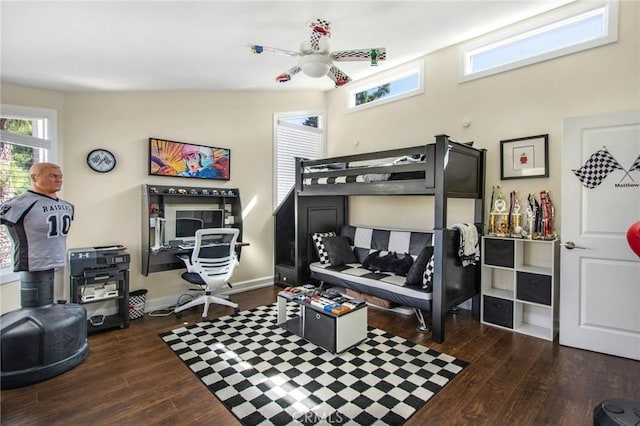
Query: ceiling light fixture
x,y
315,65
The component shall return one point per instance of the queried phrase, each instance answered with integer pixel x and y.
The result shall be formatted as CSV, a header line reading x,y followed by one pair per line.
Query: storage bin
x,y
498,311
498,252
137,300
534,288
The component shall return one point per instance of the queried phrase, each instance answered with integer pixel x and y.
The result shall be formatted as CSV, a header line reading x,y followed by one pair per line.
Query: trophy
x,y
529,227
535,224
499,216
515,217
546,230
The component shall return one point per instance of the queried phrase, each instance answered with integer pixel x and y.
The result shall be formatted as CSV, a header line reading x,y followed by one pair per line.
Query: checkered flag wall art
x,y
636,165
597,168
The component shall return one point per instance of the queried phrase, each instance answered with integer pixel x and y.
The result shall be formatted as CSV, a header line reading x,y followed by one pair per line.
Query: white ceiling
x,y
182,45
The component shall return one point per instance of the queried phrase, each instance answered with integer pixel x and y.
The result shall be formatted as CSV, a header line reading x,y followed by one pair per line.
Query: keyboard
x,y
187,245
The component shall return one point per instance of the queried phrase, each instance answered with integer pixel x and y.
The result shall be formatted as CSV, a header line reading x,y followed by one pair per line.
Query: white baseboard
x,y
165,302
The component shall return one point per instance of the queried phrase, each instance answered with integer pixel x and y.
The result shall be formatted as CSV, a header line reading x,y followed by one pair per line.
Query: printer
x,y
95,259
97,268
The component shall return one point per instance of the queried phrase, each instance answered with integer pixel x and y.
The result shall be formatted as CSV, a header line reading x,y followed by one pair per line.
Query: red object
x,y
523,159
283,78
320,29
633,237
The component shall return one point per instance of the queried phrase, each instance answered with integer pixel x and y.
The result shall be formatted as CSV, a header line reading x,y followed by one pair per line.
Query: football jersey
x,y
38,226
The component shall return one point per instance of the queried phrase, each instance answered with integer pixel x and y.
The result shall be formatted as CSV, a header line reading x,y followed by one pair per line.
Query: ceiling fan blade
x,y
338,77
258,49
319,28
286,76
374,55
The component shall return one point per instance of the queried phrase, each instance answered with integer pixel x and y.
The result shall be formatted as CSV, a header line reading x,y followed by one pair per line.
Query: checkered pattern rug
x,y
266,375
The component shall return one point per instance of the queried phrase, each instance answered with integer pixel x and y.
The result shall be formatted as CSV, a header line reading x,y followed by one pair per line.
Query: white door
x,y
600,277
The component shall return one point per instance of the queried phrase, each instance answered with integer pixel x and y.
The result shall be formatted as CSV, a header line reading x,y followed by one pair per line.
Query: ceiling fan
x,y
315,59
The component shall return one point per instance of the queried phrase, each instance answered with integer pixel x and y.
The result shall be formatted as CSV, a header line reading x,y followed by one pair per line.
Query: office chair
x,y
210,266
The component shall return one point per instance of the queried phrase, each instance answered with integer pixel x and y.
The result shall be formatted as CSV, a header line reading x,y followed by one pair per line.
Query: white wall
x,y
524,102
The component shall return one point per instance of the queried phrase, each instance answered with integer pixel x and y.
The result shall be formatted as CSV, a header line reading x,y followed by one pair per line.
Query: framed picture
x,y
179,159
524,157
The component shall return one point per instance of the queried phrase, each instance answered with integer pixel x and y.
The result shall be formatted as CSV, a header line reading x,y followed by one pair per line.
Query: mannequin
x,y
38,223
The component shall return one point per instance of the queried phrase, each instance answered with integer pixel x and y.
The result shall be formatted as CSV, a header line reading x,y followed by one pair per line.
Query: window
x,y
574,28
295,135
390,86
27,136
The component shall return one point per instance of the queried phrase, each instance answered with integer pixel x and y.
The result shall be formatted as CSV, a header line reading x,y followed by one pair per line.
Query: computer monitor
x,y
183,220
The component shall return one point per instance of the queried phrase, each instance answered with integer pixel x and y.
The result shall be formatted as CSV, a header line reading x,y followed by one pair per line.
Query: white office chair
x,y
210,266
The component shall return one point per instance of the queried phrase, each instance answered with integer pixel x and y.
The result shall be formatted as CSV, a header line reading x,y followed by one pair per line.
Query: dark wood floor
x,y
132,377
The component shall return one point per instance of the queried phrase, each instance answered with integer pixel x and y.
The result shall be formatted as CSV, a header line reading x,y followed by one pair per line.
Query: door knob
x,y
570,245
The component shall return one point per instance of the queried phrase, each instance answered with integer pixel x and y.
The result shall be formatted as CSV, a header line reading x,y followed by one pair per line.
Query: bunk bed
x,y
444,169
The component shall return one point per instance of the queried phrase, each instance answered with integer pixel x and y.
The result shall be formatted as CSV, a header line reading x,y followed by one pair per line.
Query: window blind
x,y
294,140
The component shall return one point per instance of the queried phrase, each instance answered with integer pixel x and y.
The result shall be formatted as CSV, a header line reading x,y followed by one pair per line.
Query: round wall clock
x,y
101,160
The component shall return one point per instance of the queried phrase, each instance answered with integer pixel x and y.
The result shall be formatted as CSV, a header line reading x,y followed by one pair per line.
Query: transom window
x,y
571,29
401,83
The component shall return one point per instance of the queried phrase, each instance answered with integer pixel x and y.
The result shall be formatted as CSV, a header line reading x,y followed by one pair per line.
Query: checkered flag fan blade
x,y
597,168
380,54
320,28
338,76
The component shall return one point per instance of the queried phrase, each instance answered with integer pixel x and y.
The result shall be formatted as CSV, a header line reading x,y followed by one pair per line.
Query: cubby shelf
x,y
520,285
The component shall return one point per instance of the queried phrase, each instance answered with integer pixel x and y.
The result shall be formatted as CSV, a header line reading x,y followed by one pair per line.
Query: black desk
x,y
167,259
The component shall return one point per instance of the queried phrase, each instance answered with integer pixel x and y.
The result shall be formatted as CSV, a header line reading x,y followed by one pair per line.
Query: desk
x,y
190,247
159,200
167,258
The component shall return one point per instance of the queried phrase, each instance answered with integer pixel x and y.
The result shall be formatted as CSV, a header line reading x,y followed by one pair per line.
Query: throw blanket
x,y
468,250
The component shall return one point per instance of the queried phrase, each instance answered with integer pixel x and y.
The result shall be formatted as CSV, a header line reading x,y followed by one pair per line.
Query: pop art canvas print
x,y
169,158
